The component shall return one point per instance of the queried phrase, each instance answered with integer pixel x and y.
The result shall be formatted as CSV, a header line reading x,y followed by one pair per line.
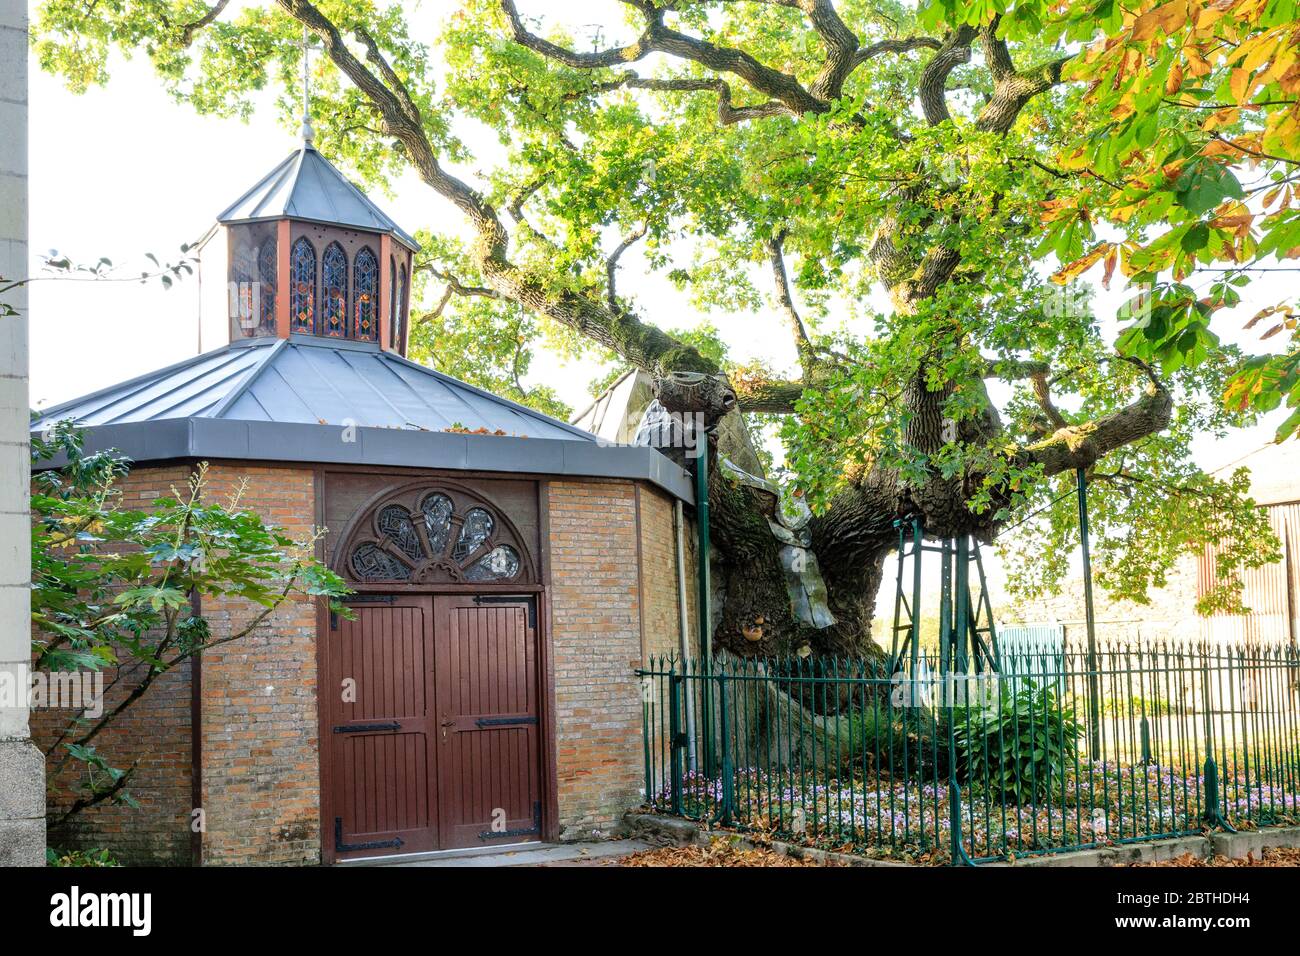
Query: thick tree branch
x,y
954,51
611,264
584,311
785,298
189,29
613,56
1079,446
727,114
659,38
766,395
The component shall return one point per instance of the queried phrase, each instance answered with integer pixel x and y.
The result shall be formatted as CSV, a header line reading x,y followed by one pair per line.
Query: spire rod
x,y
308,134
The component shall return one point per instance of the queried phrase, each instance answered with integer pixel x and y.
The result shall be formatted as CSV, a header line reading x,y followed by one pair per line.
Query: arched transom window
x,y
435,535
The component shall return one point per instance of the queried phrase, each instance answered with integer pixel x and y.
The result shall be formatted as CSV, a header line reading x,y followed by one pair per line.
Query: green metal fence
x,y
1044,755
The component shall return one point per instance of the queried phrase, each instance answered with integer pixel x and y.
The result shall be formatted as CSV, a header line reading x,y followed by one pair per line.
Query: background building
x,y
1271,593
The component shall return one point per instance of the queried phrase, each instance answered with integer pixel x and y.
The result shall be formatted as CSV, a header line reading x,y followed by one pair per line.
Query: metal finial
x,y
308,134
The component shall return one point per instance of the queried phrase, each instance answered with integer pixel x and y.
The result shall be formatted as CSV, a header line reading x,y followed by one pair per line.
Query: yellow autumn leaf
x,y
1079,266
1240,84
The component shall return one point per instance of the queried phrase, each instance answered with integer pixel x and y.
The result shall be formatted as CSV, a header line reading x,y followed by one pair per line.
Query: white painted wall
x,y
22,785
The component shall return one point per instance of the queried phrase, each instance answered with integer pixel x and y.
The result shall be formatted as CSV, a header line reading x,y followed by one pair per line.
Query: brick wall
x,y
154,734
660,610
596,640
261,777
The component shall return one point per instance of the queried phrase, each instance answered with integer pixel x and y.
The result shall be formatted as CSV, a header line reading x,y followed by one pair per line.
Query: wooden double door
x,y
433,724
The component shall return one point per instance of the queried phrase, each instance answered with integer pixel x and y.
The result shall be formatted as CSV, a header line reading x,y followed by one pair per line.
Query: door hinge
x,y
340,847
535,828
503,721
366,728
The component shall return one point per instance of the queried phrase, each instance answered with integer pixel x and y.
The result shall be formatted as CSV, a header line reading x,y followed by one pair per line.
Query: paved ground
x,y
540,854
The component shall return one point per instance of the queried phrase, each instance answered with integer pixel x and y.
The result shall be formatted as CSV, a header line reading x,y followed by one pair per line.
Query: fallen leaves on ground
x,y
717,853
1274,856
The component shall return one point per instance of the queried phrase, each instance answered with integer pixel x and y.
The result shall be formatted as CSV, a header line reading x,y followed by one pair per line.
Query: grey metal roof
x,y
314,400
307,186
310,380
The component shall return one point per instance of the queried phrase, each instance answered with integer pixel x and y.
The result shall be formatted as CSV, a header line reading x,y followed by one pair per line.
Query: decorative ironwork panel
x,y
365,315
371,563
499,564
334,272
302,274
395,522
437,509
478,527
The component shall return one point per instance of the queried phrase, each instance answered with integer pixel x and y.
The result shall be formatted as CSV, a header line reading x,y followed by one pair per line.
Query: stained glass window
x,y
413,542
252,280
399,298
302,300
365,281
477,529
392,302
437,509
268,274
334,272
370,563
499,564
395,522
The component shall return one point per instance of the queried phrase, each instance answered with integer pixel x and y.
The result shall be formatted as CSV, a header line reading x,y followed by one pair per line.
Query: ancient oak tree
x,y
885,179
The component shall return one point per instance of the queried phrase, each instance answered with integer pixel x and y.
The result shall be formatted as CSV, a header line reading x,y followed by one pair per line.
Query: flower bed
x,y
1097,804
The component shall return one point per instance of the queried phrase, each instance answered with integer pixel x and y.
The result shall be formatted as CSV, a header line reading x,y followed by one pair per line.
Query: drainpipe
x,y
684,624
702,601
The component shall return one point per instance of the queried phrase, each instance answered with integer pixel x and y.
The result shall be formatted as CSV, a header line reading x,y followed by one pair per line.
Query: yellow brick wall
x,y
261,773
596,641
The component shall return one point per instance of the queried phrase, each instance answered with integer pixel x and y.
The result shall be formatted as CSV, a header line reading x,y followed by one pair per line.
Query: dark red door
x,y
489,774
382,729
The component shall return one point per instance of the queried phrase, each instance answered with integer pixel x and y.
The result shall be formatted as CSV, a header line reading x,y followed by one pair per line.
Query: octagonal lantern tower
x,y
309,254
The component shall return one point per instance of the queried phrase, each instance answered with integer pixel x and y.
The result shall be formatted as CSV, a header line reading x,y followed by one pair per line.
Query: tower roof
x,y
307,186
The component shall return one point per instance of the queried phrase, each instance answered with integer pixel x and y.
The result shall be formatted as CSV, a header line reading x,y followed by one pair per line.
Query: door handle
x,y
445,723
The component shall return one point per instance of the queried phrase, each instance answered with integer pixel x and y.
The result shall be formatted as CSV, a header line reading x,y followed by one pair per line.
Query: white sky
x,y
124,170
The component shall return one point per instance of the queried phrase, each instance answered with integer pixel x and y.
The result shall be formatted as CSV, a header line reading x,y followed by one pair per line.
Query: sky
x,y
123,171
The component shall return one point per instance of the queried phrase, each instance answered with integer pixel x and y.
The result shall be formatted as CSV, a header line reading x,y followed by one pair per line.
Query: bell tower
x,y
309,254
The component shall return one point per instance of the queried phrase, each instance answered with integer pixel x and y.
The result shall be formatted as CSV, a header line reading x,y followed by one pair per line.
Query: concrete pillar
x,y
22,768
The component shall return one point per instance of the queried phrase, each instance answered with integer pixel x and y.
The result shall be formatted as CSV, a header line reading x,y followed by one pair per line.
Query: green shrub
x,y
100,857
1018,747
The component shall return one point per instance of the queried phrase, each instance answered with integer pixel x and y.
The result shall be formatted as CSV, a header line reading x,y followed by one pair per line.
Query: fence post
x,y
1213,815
1094,678
959,606
675,737
728,776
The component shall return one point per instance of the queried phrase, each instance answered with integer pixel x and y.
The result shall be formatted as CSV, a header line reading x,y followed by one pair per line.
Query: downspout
x,y
702,600
684,624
